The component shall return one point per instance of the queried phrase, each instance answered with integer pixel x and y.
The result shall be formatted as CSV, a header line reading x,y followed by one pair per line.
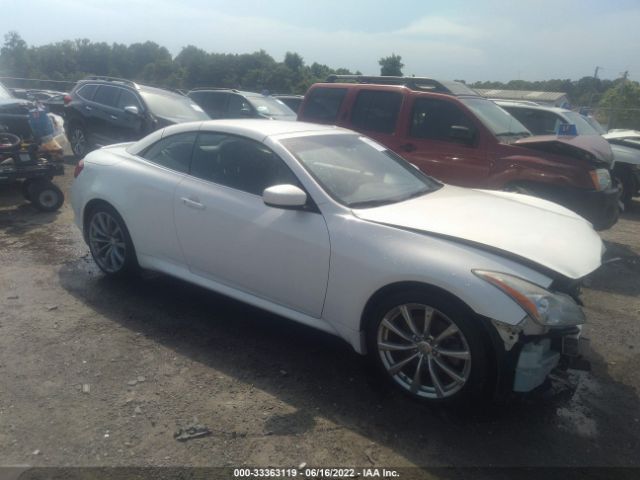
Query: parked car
x,y
14,114
453,293
546,120
291,101
104,110
232,103
451,133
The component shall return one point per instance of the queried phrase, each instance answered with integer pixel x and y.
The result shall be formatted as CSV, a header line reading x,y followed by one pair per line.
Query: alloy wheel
x,y
424,351
107,242
78,141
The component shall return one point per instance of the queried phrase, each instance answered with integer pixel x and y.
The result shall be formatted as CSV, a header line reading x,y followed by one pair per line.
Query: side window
x,y
215,104
173,152
87,91
538,121
107,95
376,111
127,99
238,163
324,104
433,120
239,107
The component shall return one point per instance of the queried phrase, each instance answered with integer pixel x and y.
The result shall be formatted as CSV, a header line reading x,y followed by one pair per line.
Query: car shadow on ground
x,y
324,377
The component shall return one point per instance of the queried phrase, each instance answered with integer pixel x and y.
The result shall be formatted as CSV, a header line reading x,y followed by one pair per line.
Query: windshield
x,y
499,121
582,126
595,124
271,107
358,172
173,106
4,93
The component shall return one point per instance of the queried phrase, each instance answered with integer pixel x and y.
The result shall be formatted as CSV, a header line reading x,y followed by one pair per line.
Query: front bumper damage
x,y
526,360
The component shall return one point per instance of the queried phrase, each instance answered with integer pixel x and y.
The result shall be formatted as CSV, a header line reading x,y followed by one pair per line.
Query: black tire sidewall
x,y
481,381
130,260
74,127
37,188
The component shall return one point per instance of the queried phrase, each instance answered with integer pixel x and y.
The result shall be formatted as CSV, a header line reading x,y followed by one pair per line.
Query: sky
x,y
448,39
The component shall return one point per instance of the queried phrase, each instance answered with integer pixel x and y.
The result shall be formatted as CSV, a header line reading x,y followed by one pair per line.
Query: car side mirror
x,y
132,109
461,133
284,196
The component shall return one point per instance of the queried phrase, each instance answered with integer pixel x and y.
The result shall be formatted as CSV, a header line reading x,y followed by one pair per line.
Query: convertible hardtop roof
x,y
268,128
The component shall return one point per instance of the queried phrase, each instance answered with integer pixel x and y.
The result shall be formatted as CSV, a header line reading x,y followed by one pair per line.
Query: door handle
x,y
408,147
88,108
193,203
113,117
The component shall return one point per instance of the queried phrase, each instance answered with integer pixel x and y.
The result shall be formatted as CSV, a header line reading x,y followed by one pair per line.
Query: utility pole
x,y
593,93
595,75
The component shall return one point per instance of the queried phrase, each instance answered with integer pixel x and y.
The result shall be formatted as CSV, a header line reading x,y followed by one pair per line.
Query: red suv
x,y
453,134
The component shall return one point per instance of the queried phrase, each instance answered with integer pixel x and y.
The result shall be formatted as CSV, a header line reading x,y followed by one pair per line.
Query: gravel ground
x,y
96,372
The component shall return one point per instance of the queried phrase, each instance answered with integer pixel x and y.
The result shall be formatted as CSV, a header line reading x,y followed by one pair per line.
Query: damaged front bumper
x,y
539,355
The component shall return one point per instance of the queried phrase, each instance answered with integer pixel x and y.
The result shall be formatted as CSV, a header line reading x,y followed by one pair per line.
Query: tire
x,y
9,141
109,242
45,196
78,140
27,188
396,351
624,179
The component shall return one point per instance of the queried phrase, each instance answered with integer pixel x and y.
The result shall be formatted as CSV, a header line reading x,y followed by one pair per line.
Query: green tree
x,y
622,103
391,66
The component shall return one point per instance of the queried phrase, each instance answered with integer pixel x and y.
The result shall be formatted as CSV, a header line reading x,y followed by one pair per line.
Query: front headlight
x,y
600,178
544,307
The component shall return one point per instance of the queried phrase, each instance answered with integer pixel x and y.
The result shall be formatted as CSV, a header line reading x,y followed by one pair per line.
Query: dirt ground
x,y
95,372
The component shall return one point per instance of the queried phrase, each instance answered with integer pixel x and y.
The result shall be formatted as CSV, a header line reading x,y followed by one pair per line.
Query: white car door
x,y
150,186
229,235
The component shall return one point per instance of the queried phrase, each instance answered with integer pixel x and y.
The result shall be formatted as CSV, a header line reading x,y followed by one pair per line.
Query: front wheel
x,y
624,179
430,347
109,242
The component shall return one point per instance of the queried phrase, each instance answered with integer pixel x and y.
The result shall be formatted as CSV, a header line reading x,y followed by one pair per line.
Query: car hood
x,y
529,228
15,103
572,146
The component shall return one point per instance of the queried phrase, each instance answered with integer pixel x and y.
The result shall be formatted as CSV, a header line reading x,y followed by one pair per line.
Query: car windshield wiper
x,y
385,201
514,134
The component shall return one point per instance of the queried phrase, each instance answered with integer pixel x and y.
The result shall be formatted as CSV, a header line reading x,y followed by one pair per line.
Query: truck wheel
x,y
624,179
46,196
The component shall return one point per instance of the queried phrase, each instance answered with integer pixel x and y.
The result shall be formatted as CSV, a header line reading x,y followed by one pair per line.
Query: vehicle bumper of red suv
x,y
600,207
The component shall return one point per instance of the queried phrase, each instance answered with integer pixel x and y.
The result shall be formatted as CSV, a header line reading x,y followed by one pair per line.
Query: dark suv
x,y
231,103
104,110
451,133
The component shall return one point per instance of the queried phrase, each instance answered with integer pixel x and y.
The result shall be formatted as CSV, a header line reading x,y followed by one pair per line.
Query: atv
x,y
23,161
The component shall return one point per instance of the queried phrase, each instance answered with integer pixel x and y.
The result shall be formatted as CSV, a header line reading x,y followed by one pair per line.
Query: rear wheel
x,y
78,140
44,195
109,241
430,347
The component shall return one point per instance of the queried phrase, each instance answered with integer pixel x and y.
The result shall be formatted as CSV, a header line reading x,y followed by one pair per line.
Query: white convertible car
x,y
453,293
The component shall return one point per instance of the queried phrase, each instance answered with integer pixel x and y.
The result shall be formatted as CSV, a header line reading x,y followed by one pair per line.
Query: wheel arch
x,y
396,287
89,207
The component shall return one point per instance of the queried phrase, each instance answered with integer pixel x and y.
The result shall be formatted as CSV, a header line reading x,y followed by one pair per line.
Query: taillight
x,y
66,99
78,169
